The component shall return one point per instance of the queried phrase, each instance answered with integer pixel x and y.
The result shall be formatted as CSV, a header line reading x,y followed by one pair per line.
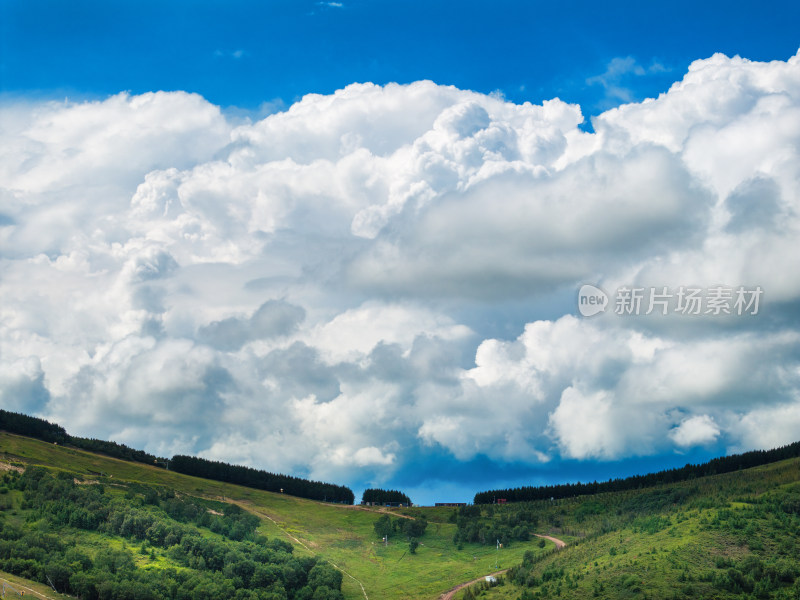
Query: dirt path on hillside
x,y
14,586
379,509
375,509
559,543
450,594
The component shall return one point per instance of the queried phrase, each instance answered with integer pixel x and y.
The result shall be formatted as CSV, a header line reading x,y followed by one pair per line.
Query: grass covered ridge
x,y
725,536
342,535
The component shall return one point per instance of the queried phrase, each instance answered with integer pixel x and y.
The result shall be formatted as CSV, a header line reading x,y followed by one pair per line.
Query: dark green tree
x,y
383,526
415,528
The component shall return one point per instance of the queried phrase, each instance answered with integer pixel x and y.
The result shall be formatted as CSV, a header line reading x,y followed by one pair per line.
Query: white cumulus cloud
x,y
389,272
700,429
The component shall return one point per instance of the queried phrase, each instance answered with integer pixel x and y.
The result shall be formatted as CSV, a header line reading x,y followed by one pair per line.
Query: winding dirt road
x,y
13,585
559,543
450,594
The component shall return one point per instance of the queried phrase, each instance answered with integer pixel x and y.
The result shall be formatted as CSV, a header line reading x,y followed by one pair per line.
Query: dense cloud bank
x,y
310,293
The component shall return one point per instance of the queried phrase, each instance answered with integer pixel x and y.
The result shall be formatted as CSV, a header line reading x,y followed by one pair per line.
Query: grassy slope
x,y
18,588
657,543
673,541
342,535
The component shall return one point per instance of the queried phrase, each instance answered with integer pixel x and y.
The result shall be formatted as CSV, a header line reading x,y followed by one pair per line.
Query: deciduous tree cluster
x,y
240,564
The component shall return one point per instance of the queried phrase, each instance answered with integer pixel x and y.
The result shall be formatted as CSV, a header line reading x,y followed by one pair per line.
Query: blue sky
x,y
345,240
244,53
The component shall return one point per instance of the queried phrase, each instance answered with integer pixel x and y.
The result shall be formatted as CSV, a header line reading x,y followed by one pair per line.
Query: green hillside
x,y
723,536
342,535
735,535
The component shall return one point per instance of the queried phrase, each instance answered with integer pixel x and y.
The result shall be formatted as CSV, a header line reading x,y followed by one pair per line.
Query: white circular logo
x,y
591,300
